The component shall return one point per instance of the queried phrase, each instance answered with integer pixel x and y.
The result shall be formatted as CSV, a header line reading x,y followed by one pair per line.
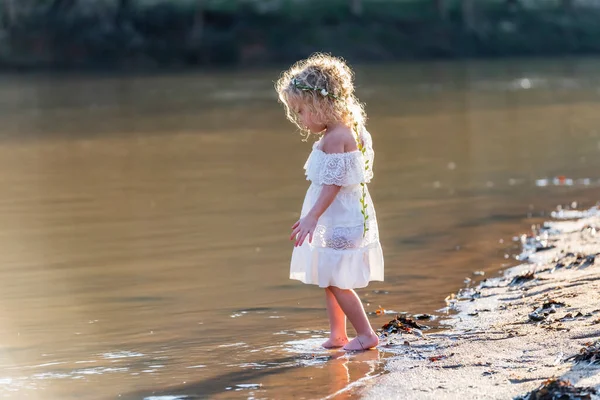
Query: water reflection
x,y
328,374
349,371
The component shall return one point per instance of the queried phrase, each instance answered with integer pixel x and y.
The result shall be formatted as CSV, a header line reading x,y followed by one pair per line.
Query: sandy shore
x,y
513,333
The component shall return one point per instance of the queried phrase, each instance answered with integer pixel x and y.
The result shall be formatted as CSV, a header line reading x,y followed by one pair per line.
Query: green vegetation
x,y
162,33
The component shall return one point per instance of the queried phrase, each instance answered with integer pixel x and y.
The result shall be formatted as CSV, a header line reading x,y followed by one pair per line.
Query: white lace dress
x,y
340,255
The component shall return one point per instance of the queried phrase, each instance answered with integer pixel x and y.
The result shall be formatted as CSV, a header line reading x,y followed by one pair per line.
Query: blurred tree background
x,y
179,33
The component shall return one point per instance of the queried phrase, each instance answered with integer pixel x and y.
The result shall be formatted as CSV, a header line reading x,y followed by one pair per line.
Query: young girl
x,y
336,239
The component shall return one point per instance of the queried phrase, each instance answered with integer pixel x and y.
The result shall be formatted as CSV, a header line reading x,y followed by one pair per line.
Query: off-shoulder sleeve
x,y
340,169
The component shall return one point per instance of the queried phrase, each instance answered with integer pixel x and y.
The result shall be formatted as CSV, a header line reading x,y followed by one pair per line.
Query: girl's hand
x,y
303,228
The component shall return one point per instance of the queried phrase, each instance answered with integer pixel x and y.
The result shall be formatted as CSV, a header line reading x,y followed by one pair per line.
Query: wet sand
x,y
512,333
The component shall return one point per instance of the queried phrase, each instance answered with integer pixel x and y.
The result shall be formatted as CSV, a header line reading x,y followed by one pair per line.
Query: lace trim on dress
x,y
338,238
340,169
344,237
359,250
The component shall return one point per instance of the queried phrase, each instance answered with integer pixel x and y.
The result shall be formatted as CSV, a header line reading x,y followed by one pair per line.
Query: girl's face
x,y
308,120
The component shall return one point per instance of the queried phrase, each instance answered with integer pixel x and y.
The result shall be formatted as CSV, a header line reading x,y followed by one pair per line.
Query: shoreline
x,y
513,333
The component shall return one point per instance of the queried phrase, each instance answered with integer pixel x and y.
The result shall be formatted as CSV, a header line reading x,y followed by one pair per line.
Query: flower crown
x,y
305,88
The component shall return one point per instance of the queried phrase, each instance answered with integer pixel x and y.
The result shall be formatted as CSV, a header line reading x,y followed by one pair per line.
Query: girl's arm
x,y
337,141
325,199
306,226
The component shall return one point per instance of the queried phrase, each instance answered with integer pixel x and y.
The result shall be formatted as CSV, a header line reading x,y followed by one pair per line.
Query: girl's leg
x,y
353,308
337,322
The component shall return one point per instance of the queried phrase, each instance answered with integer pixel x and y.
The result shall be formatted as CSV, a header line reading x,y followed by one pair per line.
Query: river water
x,y
144,221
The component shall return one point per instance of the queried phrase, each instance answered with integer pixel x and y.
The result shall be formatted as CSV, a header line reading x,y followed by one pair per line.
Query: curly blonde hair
x,y
321,71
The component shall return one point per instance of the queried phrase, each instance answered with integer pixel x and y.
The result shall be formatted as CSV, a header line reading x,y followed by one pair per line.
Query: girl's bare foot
x,y
363,342
333,343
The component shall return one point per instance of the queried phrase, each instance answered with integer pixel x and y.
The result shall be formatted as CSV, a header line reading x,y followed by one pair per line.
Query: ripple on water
x,y
51,375
239,344
15,384
253,365
309,351
121,354
47,364
78,373
248,386
98,371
